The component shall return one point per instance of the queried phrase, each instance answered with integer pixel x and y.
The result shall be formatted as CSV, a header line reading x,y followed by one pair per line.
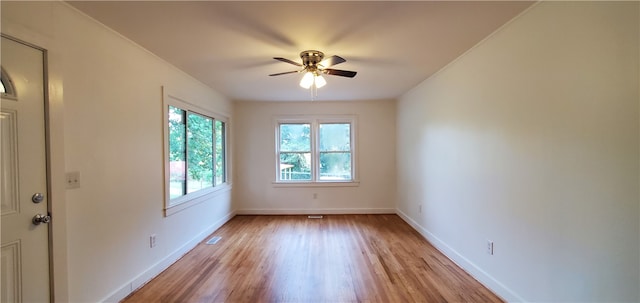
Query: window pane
x,y
295,166
220,156
200,152
335,137
295,137
177,156
335,166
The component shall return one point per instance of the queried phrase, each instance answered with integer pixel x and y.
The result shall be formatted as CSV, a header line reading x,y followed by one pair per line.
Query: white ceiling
x,y
230,45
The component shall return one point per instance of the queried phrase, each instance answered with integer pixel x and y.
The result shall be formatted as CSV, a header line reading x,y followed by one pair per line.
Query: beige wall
x,y
107,100
531,140
254,154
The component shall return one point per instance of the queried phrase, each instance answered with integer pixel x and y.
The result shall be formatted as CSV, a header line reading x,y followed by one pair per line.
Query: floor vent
x,y
314,217
214,240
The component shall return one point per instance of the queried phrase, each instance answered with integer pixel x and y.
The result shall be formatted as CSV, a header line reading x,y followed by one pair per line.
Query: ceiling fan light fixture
x,y
320,81
307,80
314,65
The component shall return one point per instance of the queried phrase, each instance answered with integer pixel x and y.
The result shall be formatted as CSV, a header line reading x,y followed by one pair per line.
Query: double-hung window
x,y
315,150
195,152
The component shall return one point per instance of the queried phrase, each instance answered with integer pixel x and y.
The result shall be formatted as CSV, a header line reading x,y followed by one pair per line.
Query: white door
x,y
24,261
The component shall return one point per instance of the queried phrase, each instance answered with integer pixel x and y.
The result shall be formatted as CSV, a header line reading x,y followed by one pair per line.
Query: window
x,y
315,150
295,151
6,86
335,151
195,152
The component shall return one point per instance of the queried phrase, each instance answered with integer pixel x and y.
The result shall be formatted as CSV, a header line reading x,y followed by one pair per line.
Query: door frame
x,y
48,159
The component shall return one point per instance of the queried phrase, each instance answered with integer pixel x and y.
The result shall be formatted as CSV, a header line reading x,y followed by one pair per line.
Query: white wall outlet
x,y
73,179
420,208
489,247
152,241
315,195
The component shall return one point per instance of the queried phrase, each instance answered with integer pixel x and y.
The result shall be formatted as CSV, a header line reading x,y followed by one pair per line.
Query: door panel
x,y
24,258
9,158
10,270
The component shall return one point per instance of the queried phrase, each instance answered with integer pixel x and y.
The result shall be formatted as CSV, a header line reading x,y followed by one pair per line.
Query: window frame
x,y
187,200
315,121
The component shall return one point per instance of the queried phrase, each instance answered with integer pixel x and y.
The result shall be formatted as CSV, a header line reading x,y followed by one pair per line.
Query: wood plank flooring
x,y
340,258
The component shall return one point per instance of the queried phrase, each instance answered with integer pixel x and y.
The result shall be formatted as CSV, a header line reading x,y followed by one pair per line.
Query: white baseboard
x,y
487,280
163,264
315,211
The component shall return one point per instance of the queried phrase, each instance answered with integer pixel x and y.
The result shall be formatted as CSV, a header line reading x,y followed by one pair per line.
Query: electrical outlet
x,y
420,208
489,247
315,195
152,241
73,179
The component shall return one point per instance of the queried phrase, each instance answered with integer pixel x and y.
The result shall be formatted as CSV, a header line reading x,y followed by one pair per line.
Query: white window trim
x,y
315,121
172,206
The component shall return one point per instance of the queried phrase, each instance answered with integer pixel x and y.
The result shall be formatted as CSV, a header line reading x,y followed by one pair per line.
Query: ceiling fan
x,y
314,66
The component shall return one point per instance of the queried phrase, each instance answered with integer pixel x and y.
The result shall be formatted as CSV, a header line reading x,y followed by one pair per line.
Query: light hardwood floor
x,y
340,258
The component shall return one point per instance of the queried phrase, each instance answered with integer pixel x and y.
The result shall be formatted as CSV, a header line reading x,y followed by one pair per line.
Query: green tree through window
x,y
335,151
221,175
295,151
200,152
177,152
196,152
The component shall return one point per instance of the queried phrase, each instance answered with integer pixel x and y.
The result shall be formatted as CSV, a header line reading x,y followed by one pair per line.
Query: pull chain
x,y
314,92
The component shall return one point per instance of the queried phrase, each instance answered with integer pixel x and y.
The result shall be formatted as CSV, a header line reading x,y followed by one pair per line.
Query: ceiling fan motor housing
x,y
311,58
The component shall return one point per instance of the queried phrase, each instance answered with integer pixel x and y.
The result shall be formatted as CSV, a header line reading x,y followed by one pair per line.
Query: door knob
x,y
37,219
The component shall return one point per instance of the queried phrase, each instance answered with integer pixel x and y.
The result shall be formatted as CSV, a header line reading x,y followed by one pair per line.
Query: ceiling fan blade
x,y
333,60
287,61
338,72
291,72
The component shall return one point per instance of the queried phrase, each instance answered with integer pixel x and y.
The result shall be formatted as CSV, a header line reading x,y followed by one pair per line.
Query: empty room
x,y
312,151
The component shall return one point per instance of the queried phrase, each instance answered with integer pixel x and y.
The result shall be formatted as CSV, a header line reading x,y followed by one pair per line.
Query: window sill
x,y
316,184
197,199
